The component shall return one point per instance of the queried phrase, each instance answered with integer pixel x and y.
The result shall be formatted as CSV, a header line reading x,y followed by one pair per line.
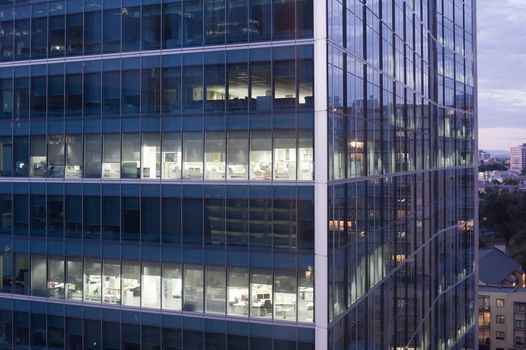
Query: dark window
x,y
193,22
215,21
259,27
151,27
131,218
131,28
151,86
192,215
39,31
112,27
57,29
55,90
74,27
172,24
171,89
92,27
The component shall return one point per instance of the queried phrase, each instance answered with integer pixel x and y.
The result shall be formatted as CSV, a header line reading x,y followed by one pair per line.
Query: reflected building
x,y
237,174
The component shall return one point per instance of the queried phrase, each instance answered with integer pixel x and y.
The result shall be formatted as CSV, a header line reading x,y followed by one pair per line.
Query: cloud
x,y
501,72
501,138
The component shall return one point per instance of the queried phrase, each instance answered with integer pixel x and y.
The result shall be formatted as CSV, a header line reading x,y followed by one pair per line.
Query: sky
x,y
501,73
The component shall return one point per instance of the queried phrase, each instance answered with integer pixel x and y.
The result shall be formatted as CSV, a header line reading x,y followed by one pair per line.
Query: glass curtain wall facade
x,y
402,144
157,170
161,165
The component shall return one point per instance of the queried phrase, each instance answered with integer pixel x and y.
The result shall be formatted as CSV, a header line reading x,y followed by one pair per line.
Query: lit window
x,y
500,302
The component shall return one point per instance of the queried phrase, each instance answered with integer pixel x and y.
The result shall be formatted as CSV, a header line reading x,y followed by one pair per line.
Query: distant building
x,y
484,156
502,302
518,157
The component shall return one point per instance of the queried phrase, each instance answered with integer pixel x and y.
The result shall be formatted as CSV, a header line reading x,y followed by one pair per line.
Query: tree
x,y
504,212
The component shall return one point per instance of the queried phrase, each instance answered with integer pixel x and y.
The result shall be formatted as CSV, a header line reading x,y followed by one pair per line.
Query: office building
x,y
502,302
518,158
240,174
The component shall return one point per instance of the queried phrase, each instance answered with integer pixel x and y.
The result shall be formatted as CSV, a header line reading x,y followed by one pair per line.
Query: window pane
x,y
193,22
171,89
215,21
260,20
238,300
131,283
55,91
193,155
237,156
55,284
131,156
55,216
20,155
92,27
215,81
131,218
39,31
260,216
283,11
74,34
304,18
38,91
131,28
38,214
6,97
73,218
215,155
215,289
284,155
306,295
285,290
172,22
21,98
57,29
111,218
38,160
193,83
150,219
92,156
172,156
74,279
237,21
172,287
6,156
111,162
131,87
193,288
56,155
92,280
73,87
112,29
38,275
112,282
7,38
261,293
151,282
92,93
284,73
261,155
20,214
22,282
91,217
151,86
111,88
305,155
74,148
151,27
171,220
260,80
305,77
151,156
237,76
22,31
